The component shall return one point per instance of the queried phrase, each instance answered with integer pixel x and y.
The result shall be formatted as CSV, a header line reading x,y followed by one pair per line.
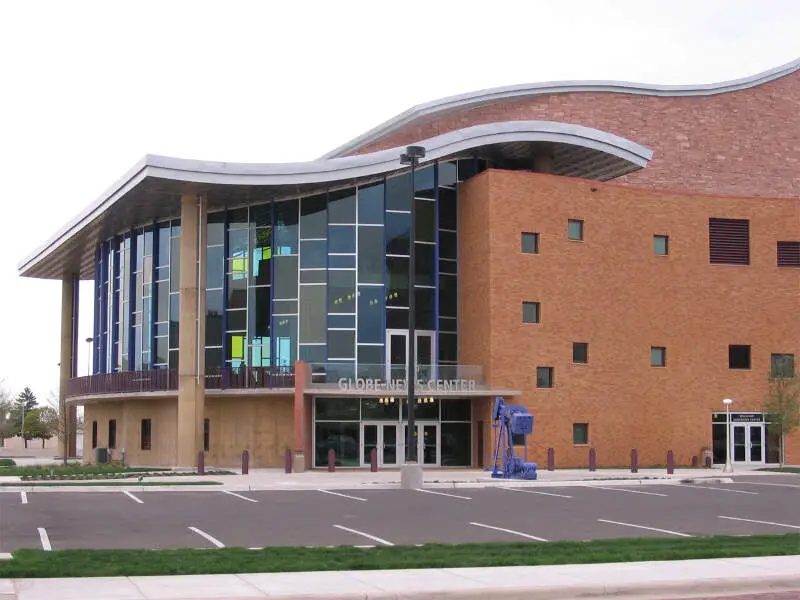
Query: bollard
x,y
708,462
201,463
551,459
670,463
245,462
694,462
592,459
373,460
331,460
287,461
634,461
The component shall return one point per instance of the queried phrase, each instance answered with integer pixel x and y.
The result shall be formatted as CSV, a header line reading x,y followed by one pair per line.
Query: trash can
x,y
101,456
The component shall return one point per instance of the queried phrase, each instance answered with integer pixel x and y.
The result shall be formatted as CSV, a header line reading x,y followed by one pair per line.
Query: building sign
x,y
400,385
747,418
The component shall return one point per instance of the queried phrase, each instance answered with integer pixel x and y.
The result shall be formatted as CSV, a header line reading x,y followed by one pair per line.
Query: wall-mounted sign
x,y
400,385
746,418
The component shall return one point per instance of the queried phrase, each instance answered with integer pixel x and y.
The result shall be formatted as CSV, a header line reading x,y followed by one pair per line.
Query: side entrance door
x,y
382,437
747,443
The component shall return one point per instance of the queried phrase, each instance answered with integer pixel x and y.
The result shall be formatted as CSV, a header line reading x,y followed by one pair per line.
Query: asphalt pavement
x,y
149,518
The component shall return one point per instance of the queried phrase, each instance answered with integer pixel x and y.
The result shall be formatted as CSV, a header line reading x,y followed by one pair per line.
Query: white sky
x,y
88,88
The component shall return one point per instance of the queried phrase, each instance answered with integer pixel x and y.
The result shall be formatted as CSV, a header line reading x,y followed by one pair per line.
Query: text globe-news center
x,y
392,385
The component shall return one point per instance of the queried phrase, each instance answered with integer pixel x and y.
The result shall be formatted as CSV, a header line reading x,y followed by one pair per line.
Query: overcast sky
x,y
88,88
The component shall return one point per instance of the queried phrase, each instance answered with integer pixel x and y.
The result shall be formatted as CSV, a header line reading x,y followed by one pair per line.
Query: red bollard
x,y
634,461
373,460
331,460
245,462
287,461
592,459
670,463
694,462
201,463
551,459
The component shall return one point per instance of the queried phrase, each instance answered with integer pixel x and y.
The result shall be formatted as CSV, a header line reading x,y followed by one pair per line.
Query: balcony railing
x,y
163,380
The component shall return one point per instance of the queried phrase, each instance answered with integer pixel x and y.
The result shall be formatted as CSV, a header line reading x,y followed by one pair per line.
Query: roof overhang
x,y
151,190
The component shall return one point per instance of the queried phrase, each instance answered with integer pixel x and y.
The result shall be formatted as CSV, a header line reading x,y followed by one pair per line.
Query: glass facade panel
x,y
312,313
425,221
342,438
313,217
398,192
456,446
370,255
398,233
341,343
285,277
286,227
371,304
425,265
285,333
261,253
341,239
397,273
370,204
342,206
341,261
313,254
341,291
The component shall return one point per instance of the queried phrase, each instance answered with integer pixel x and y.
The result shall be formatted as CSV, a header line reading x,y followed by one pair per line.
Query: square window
x,y
658,356
544,377
580,433
580,352
738,357
530,243
661,244
782,365
575,229
530,312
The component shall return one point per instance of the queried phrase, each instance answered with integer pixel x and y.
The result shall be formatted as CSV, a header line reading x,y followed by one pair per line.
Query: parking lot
x,y
255,519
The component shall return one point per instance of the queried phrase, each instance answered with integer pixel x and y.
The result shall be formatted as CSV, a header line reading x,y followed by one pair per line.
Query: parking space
x,y
255,519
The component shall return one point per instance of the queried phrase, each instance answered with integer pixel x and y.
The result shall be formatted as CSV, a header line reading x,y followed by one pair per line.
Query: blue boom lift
x,y
511,420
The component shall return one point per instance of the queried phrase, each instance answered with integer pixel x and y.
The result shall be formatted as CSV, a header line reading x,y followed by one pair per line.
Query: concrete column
x,y
191,333
302,375
69,361
543,163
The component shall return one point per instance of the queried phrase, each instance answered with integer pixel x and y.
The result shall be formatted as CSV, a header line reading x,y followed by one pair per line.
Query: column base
x,y
298,462
411,476
727,468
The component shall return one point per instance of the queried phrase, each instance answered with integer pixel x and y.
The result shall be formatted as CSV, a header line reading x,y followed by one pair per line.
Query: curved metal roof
x,y
474,99
150,190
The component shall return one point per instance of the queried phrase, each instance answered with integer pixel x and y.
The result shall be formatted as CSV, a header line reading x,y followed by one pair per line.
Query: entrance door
x,y
397,354
428,446
747,443
383,438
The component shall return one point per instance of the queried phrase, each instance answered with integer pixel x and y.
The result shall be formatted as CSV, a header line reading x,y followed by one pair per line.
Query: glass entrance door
x,y
397,354
747,443
381,437
756,440
428,446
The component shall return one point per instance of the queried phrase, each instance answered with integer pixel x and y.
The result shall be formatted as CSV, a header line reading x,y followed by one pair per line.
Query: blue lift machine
x,y
511,420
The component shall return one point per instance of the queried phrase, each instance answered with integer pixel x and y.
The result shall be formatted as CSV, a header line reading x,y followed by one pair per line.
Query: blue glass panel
x,y
313,254
397,273
425,217
237,243
215,229
341,344
312,354
448,173
313,217
341,291
371,303
341,262
425,265
215,267
398,232
342,321
370,204
448,296
398,192
285,284
285,329
261,215
370,254
259,313
447,209
342,206
425,310
286,227
261,253
312,313
163,245
341,239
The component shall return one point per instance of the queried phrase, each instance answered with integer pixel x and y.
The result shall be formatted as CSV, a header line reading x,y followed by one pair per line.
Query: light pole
x,y
728,466
412,156
88,356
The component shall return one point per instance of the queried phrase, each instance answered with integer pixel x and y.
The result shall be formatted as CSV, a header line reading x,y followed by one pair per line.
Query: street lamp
x,y
728,466
411,157
89,355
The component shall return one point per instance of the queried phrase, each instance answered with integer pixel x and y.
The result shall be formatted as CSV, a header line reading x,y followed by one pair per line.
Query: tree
x,y
36,424
23,404
5,414
782,403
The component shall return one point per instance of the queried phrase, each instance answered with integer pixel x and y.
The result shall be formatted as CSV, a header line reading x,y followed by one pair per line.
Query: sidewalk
x,y
665,579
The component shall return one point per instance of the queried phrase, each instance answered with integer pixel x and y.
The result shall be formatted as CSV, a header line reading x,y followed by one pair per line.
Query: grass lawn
x,y
127,483
782,469
106,563
72,469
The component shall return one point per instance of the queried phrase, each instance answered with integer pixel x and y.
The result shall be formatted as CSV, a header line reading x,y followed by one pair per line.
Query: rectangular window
x,y
789,254
739,357
575,229
580,352
206,435
729,241
782,365
530,312
661,244
94,435
146,435
112,433
658,356
530,243
544,377
580,433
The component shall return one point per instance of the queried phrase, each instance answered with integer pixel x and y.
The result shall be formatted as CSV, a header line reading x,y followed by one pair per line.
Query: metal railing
x,y
163,380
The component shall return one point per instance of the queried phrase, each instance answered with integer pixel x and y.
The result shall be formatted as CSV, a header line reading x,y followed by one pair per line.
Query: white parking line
x,y
611,489
365,546
132,497
511,531
762,522
366,535
705,487
211,539
238,496
442,494
678,533
45,540
24,497
343,495
536,492
766,483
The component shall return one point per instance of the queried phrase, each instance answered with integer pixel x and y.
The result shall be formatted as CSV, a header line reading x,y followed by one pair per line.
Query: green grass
x,y
73,469
7,462
781,469
109,563
128,483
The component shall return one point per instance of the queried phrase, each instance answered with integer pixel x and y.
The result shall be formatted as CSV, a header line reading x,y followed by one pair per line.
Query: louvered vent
x,y
729,241
789,254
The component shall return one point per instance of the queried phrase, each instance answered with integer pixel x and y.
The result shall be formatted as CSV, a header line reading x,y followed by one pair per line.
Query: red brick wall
x,y
613,292
739,143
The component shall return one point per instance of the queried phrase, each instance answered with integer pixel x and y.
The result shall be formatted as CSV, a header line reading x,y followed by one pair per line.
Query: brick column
x,y
302,375
69,362
191,332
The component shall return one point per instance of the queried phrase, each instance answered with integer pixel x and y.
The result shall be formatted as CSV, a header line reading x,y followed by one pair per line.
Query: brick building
x,y
617,257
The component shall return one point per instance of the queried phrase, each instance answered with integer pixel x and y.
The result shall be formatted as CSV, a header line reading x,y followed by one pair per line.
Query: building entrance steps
x,y
663,579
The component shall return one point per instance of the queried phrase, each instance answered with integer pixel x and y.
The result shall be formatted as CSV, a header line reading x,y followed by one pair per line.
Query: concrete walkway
x,y
667,579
